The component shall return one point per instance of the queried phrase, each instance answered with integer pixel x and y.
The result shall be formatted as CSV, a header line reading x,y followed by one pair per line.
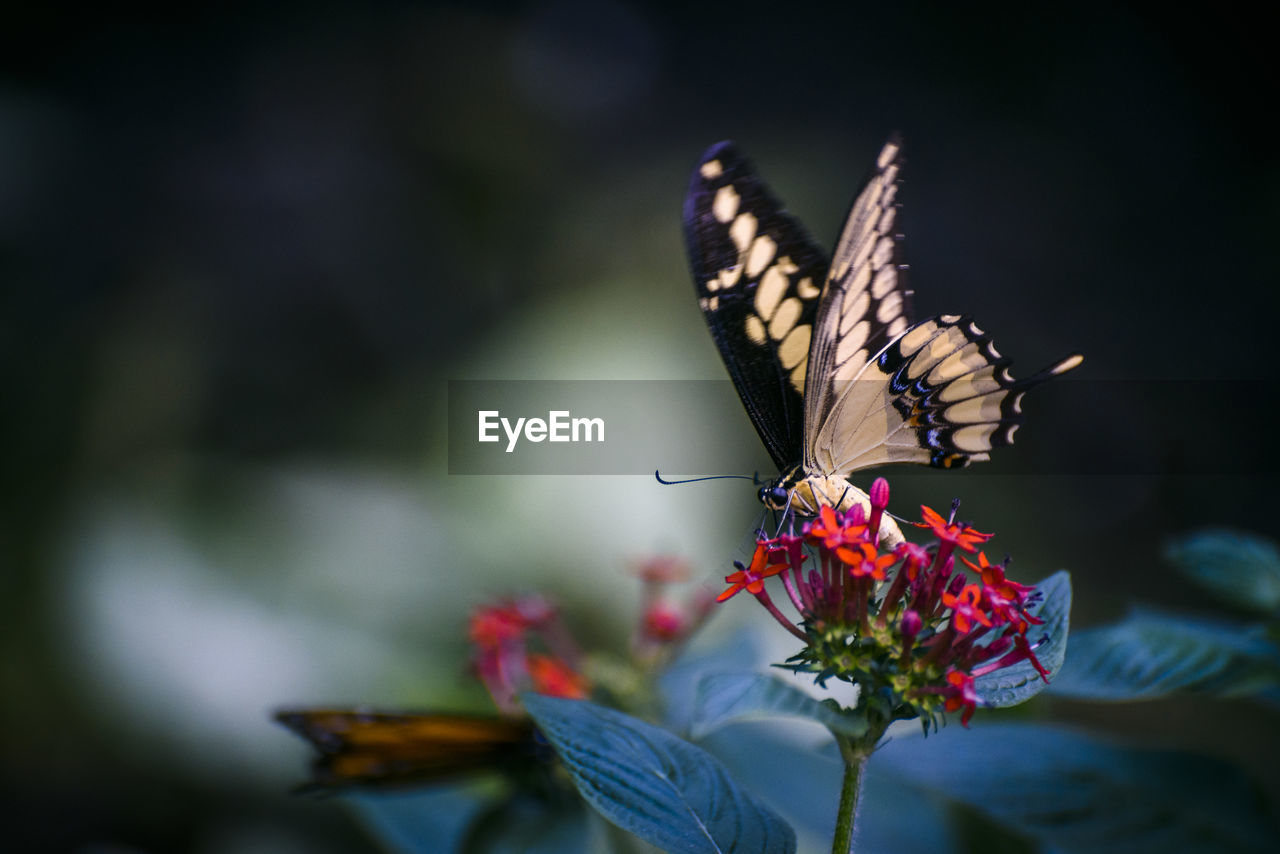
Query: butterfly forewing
x,y
759,277
865,304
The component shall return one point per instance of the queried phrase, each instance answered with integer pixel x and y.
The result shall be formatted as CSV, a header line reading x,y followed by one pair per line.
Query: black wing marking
x,y
759,277
940,394
866,302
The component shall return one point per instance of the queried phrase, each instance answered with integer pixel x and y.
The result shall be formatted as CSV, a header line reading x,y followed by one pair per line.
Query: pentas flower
x,y
666,622
751,578
907,625
552,676
520,645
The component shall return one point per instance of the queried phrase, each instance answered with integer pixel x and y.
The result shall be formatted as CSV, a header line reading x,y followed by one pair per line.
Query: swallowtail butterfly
x,y
833,369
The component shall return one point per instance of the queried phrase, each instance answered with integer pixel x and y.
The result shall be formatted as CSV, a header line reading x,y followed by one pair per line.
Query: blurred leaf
x,y
1152,655
530,825
723,697
894,817
1076,793
1018,683
1242,569
650,783
422,820
679,681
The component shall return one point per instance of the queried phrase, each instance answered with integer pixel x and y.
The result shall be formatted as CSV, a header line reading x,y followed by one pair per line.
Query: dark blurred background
x,y
244,250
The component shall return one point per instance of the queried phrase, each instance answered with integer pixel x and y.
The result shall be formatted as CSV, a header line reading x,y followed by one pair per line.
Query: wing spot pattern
x,y
725,205
770,291
890,307
883,253
885,281
852,312
973,439
743,231
798,375
761,254
851,344
711,169
795,347
785,318
755,330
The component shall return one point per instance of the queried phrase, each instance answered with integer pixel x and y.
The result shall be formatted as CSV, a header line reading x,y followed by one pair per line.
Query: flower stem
x,y
850,791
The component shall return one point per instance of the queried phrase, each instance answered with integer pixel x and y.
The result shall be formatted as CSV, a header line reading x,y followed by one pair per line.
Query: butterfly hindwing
x,y
759,277
940,394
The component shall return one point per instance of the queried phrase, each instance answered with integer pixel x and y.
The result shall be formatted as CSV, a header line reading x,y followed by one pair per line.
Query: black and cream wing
x,y
866,302
759,277
940,394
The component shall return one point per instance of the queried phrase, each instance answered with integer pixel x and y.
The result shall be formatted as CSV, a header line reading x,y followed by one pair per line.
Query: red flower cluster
x,y
919,636
521,645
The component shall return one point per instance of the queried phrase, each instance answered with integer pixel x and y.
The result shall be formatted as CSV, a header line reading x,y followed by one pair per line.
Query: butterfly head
x,y
775,495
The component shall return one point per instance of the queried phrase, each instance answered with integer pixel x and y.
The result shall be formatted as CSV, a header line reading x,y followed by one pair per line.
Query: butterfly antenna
x,y
696,479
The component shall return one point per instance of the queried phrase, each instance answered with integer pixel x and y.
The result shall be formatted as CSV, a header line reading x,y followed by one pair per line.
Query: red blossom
x,y
967,608
751,578
552,676
960,693
865,563
494,625
959,535
1005,598
834,531
662,621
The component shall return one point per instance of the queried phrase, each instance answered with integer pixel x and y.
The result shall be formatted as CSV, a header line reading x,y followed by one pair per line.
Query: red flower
x,y
751,578
967,608
960,693
834,532
1006,598
552,676
961,536
863,562
493,625
662,621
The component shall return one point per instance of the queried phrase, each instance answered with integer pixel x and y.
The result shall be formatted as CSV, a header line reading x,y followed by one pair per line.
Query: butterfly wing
x,y
375,748
758,276
866,302
940,394
882,390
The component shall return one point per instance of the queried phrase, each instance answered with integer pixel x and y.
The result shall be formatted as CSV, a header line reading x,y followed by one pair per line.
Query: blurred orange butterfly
x,y
378,748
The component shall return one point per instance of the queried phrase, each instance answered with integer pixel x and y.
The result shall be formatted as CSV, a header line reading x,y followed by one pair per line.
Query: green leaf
x,y
1018,683
1242,569
723,697
1151,655
1077,793
650,783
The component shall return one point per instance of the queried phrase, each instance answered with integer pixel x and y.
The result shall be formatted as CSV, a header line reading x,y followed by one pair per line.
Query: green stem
x,y
850,791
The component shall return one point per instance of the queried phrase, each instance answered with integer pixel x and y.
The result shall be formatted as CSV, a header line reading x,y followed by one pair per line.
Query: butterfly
x,y
833,369
378,748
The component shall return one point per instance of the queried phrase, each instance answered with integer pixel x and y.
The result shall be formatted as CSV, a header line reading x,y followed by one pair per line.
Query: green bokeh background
x,y
243,251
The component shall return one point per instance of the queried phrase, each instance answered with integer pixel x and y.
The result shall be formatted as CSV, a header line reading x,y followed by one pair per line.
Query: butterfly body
x,y
830,365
